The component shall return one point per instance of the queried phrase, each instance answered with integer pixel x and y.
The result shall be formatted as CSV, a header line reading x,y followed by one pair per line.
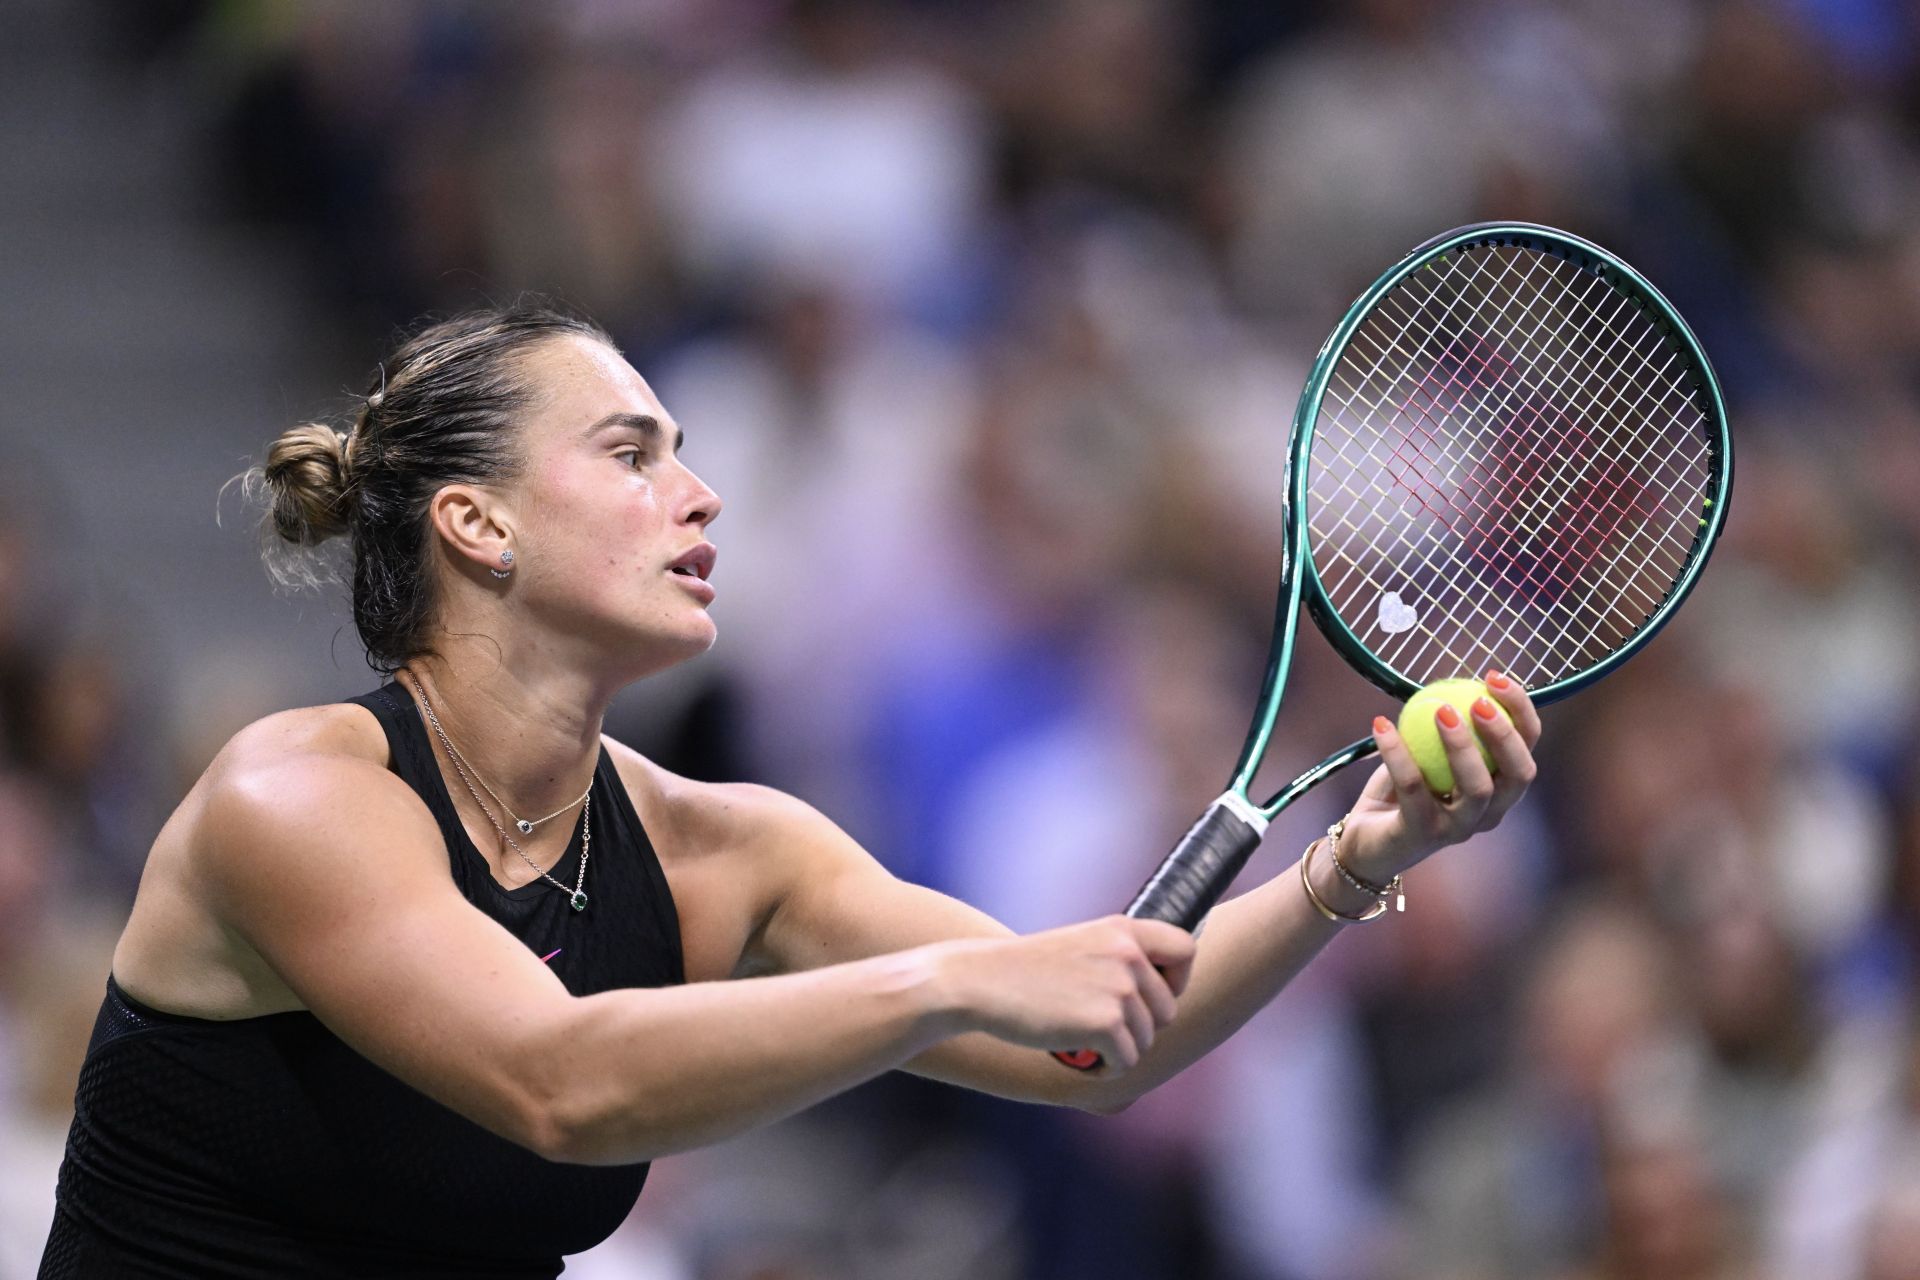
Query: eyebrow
x,y
645,423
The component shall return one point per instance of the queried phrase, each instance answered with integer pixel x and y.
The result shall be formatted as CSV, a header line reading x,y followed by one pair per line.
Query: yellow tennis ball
x,y
1422,735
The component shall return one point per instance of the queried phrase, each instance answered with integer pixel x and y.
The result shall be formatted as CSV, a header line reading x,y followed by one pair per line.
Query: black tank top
x,y
266,1147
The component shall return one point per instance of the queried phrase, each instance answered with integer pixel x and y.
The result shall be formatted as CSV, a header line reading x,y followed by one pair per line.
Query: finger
x,y
1139,1022
1510,695
1176,976
1418,805
1472,783
1166,945
1379,786
1513,764
1117,1048
1156,992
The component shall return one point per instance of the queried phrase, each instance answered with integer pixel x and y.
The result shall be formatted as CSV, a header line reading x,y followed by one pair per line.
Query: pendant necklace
x,y
526,826
576,896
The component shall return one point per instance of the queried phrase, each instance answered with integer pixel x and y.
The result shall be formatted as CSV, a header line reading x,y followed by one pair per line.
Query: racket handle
x,y
1191,879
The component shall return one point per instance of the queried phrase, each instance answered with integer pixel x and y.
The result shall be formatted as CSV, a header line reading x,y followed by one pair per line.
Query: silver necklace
x,y
526,826
576,897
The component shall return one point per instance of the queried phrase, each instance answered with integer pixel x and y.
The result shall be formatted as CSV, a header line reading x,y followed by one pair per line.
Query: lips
x,y
696,562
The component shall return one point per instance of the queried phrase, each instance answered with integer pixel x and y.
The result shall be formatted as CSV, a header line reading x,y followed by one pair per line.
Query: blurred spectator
x,y
828,154
1666,1217
1510,1183
1843,1205
28,868
49,994
1318,205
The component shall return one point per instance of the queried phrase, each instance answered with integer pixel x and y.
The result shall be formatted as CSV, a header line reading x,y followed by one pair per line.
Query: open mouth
x,y
696,562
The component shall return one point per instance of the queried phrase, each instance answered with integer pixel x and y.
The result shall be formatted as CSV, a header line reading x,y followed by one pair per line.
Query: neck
x,y
532,733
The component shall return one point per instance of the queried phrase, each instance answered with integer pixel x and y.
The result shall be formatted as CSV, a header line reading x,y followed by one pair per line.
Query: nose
x,y
703,504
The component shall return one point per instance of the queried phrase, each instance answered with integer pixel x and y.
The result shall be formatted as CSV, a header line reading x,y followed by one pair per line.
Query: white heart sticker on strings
x,y
1396,615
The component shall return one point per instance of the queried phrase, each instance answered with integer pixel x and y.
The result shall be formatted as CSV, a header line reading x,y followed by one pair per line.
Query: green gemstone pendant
x,y
578,901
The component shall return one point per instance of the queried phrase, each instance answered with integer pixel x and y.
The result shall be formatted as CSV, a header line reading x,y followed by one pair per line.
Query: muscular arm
x,y
843,904
846,905
335,874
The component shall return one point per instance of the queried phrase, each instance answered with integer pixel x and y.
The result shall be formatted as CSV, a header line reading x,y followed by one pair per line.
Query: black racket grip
x,y
1187,884
1192,878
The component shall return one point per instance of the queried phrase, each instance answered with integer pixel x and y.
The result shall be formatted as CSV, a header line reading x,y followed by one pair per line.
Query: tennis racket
x,y
1511,452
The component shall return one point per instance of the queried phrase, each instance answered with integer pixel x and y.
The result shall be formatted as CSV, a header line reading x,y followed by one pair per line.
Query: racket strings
x,y
1628,416
1509,462
1654,378
1517,383
1495,623
1533,447
1454,576
1671,394
1591,495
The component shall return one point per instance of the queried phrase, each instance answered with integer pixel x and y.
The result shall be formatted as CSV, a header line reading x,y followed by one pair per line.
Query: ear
x,y
474,523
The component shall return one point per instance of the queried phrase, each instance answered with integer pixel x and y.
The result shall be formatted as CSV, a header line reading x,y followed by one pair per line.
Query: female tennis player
x,y
417,984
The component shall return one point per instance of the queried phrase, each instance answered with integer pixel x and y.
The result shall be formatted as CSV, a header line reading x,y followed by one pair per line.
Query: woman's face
x,y
611,548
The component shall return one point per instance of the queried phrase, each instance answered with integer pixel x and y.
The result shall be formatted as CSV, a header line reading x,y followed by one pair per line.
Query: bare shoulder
x,y
288,775
334,728
275,786
278,770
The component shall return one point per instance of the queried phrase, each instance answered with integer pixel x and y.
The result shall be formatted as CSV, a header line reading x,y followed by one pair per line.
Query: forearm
x,y
1249,950
641,1073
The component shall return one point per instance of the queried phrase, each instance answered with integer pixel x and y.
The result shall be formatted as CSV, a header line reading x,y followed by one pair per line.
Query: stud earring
x,y
506,559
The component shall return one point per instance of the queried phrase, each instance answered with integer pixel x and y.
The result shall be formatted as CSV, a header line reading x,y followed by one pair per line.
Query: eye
x,y
632,456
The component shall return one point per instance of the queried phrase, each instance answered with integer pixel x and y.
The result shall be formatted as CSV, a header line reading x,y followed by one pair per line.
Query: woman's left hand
x,y
1398,822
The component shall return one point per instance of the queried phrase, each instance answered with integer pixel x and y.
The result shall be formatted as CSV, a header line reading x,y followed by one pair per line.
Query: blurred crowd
x,y
986,320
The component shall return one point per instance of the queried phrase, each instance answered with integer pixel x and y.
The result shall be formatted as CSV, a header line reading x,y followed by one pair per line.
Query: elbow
x,y
571,1107
564,1128
559,1102
577,1127
540,1116
550,1115
563,1132
542,1131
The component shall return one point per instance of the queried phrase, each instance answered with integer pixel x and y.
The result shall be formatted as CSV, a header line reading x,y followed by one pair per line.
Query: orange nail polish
x,y
1484,710
1497,681
1381,724
1448,717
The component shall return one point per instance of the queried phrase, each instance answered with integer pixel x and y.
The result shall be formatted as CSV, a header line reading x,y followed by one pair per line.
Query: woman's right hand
x,y
1108,985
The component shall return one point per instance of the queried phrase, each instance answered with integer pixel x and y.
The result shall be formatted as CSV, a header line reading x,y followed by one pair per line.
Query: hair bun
x,y
306,474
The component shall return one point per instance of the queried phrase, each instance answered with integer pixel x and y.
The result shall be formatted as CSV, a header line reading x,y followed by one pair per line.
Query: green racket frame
x,y
1300,580
1191,879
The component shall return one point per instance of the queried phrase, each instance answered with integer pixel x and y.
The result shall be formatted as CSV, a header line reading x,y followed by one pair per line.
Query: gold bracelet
x,y
1373,912
1393,886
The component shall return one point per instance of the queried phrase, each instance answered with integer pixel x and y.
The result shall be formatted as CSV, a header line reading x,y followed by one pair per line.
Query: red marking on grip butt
x,y
1078,1059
